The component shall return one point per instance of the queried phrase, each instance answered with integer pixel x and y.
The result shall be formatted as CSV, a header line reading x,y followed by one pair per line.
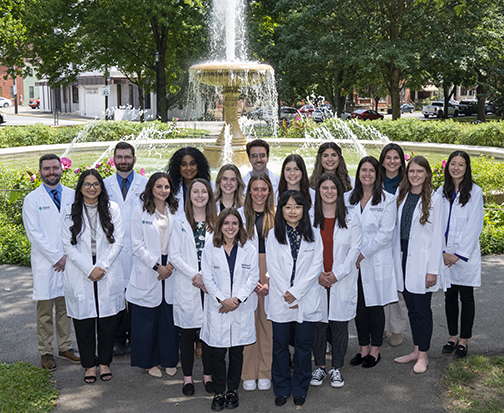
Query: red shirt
x,y
327,240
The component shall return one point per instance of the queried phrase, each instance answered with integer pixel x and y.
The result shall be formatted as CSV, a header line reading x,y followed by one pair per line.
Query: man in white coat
x,y
41,218
124,188
258,154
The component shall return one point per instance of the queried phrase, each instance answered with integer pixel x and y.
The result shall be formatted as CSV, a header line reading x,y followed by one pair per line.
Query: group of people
x,y
251,267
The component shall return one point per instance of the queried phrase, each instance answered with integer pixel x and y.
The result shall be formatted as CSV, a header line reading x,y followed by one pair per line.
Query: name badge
x,y
246,266
147,222
44,208
377,209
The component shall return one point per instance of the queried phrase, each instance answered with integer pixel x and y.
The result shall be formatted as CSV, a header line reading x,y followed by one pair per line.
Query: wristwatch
x,y
156,267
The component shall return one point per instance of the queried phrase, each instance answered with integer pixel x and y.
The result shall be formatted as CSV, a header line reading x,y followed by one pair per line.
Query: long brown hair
x,y
304,183
341,171
427,187
269,207
238,195
148,198
218,237
210,212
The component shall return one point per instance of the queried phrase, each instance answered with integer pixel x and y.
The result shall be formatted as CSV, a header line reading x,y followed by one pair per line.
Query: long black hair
x,y
103,209
358,191
304,227
176,159
148,198
466,184
341,209
304,183
393,147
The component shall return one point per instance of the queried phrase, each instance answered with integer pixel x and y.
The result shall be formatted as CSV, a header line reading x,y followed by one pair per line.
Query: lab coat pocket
x,y
115,283
141,279
73,286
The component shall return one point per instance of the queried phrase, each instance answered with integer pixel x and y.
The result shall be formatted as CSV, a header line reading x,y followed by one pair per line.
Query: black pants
x,y
452,310
219,378
338,339
370,321
123,328
187,338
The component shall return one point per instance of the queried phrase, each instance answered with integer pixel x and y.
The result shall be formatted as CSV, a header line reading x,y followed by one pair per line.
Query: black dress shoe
x,y
218,402
357,360
449,348
188,389
299,400
280,400
370,361
460,352
231,399
209,387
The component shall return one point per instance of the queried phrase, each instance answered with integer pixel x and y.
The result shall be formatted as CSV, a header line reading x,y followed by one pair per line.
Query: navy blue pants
x,y
283,383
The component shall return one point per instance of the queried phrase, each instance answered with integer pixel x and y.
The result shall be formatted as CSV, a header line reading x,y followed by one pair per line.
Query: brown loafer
x,y
48,362
71,354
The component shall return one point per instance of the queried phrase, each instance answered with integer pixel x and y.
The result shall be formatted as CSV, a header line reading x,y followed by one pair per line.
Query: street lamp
x,y
156,60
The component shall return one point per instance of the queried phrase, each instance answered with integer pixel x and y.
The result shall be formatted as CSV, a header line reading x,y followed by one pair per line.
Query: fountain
x,y
231,76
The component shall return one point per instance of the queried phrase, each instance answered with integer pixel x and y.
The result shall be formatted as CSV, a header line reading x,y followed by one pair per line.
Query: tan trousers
x,y
396,316
45,326
257,357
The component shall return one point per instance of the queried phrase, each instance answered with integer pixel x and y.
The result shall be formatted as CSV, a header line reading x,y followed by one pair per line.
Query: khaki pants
x,y
257,357
396,316
45,326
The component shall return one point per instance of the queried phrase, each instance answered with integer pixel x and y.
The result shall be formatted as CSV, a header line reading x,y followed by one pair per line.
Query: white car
x,y
4,102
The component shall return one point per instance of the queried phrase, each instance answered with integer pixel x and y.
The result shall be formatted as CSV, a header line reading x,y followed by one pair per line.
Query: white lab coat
x,y
236,328
144,289
275,180
126,207
42,222
466,224
343,294
187,307
79,290
425,248
306,287
377,268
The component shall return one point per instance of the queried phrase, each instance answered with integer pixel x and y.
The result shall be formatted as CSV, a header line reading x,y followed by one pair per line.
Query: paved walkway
x,y
389,387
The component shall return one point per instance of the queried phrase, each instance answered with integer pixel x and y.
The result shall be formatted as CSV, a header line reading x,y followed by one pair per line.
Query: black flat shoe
x,y
209,387
280,400
370,361
460,352
299,400
449,348
231,399
188,389
357,360
218,402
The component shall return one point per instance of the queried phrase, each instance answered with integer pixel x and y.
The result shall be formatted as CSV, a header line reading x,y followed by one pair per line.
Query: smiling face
x,y
188,169
328,192
457,168
416,176
199,195
329,160
367,175
91,189
161,189
292,212
292,175
259,192
230,228
50,172
229,182
392,163
124,160
258,159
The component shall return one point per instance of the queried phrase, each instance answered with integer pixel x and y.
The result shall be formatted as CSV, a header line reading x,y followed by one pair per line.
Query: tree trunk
x,y
394,89
481,94
141,100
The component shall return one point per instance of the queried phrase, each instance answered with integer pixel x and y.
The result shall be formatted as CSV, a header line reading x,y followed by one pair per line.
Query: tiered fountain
x,y
230,76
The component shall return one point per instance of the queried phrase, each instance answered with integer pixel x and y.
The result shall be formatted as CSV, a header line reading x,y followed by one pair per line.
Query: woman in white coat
x,y
294,177
294,256
154,338
418,248
92,237
463,202
190,233
229,188
376,283
258,213
341,235
230,274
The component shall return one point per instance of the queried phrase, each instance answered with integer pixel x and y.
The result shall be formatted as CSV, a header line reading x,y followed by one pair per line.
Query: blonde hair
x,y
238,195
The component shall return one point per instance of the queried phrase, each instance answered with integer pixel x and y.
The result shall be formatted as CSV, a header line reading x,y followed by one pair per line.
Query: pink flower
x,y
444,163
65,163
76,171
175,119
32,178
407,157
111,162
97,165
142,172
88,168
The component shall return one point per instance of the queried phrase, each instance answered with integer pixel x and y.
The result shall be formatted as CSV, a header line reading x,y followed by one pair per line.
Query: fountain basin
x,y
230,74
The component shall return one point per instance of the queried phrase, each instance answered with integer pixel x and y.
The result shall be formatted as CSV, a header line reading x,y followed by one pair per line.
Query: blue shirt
x,y
129,180
59,189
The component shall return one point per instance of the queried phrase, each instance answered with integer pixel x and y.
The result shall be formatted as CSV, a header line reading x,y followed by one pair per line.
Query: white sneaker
x,y
264,384
318,376
336,378
249,385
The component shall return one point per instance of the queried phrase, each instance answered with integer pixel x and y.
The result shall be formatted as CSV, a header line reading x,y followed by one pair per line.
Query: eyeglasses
x,y
87,185
126,158
261,155
288,208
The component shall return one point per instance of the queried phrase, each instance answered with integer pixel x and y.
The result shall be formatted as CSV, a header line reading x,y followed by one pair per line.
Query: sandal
x,y
90,379
106,376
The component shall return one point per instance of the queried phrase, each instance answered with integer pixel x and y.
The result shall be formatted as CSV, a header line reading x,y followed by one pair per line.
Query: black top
x,y
295,243
407,214
231,259
259,227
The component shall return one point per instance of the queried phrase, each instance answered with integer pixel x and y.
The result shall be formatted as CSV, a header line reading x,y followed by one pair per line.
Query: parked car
x,y
321,114
345,116
2,118
4,102
365,114
34,103
259,113
468,107
406,107
437,109
307,110
288,114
